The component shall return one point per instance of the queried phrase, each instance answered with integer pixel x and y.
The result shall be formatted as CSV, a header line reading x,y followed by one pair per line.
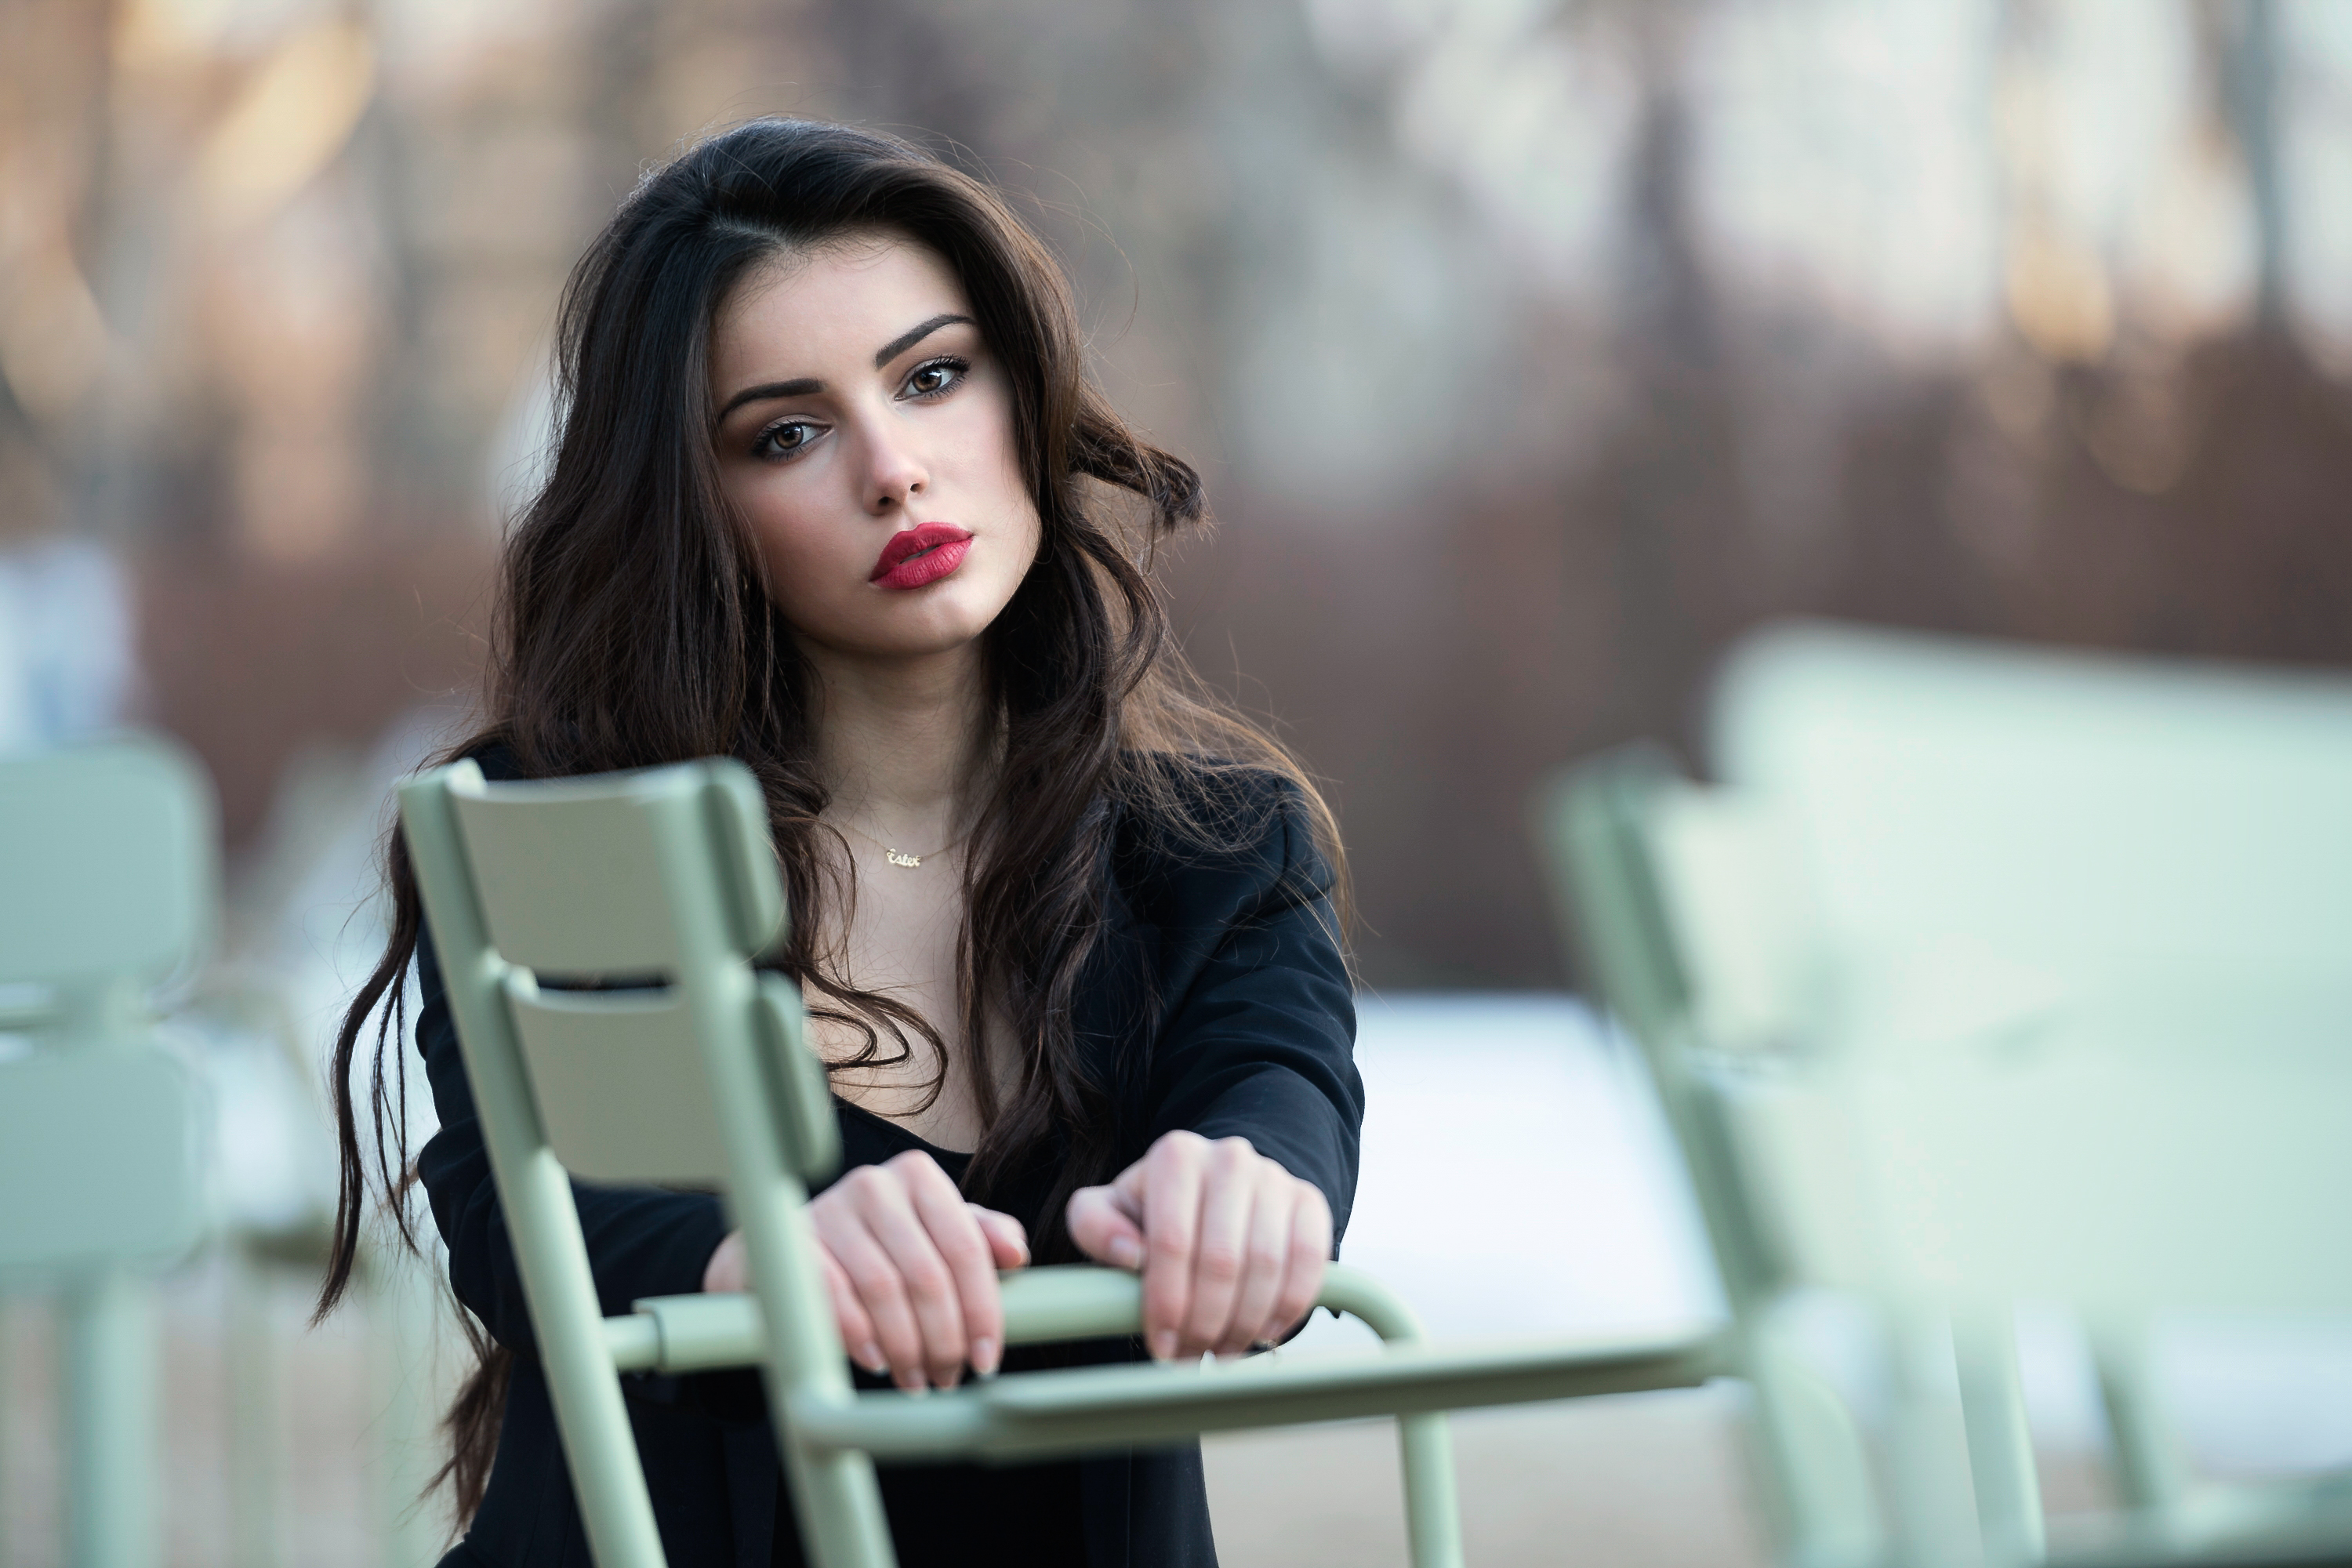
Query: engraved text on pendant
x,y
898,859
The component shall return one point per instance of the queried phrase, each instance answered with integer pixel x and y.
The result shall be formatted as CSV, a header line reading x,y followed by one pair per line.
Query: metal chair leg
x,y
111,1411
1433,1510
2000,1443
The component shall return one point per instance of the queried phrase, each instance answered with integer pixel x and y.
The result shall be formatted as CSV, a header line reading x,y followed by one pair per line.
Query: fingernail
x,y
952,1378
869,1356
983,1357
1126,1253
912,1383
1163,1345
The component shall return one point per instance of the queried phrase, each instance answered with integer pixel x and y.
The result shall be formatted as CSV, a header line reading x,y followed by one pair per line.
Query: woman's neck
x,y
904,746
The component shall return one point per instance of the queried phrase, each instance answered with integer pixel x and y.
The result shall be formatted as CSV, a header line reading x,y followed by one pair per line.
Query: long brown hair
x,y
633,630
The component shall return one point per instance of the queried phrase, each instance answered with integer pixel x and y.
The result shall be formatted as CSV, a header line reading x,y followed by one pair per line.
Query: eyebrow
x,y
805,386
766,390
912,336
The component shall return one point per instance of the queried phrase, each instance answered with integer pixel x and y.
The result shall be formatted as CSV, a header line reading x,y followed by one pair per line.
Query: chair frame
x,y
718,877
1594,818
1622,884
100,937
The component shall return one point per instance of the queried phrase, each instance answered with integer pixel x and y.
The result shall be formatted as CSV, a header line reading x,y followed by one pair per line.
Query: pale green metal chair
x,y
107,878
669,873
409,1349
1988,976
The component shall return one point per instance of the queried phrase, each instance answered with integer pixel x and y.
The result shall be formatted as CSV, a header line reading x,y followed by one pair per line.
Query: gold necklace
x,y
900,858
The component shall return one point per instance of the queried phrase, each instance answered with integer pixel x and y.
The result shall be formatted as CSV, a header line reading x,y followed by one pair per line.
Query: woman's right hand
x,y
911,1269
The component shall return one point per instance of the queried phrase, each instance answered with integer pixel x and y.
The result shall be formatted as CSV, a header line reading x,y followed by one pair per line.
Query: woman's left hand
x,y
1232,1247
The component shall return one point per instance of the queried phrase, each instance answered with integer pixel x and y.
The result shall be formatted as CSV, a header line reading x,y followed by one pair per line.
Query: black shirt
x,y
1216,999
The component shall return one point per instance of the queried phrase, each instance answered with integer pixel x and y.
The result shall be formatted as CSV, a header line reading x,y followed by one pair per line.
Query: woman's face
x,y
866,431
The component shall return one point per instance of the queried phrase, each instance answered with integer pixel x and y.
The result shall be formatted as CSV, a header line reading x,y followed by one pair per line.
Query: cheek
x,y
801,555
998,460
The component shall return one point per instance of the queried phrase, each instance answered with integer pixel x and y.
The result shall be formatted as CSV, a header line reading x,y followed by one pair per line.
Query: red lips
x,y
924,553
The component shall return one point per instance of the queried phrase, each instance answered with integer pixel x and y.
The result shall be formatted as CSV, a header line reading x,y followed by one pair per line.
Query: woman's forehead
x,y
829,301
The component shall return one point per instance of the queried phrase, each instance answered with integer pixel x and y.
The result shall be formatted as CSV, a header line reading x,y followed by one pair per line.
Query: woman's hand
x,y
1231,1246
912,1267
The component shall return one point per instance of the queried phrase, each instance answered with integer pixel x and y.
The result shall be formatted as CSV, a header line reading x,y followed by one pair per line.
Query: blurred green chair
x,y
704,1080
405,1308
1988,976
107,879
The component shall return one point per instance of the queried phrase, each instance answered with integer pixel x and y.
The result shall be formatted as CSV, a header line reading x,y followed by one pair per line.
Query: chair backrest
x,y
108,879
2084,811
99,1161
621,913
2054,956
109,865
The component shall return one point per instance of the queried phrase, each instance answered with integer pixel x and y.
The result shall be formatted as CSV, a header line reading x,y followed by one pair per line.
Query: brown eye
x,y
932,379
784,439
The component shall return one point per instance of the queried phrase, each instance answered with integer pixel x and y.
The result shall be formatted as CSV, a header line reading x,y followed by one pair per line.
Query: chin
x,y
917,630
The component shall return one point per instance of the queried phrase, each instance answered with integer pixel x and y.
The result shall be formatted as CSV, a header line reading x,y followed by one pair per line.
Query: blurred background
x,y
1533,350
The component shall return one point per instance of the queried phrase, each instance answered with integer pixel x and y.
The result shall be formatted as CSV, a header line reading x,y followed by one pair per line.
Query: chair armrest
x,y
1043,1414
687,1333
1080,1301
701,1333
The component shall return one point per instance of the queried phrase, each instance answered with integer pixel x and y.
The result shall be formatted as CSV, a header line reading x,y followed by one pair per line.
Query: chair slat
x,y
97,1162
620,1084
570,875
2071,807
108,863
568,871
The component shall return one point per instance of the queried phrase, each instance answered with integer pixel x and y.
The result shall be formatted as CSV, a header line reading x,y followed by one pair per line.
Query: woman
x,y
834,494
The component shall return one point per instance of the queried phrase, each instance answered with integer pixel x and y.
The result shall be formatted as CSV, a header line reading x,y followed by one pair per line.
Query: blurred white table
x,y
1517,1177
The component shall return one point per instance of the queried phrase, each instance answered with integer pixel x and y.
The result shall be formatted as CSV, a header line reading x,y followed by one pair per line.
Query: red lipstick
x,y
924,553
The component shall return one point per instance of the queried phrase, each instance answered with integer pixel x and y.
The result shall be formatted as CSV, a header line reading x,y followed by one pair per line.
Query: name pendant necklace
x,y
900,858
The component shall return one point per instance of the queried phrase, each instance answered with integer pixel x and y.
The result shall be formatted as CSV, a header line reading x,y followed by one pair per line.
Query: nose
x,y
895,474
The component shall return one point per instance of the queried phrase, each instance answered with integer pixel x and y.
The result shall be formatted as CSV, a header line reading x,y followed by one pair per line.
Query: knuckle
x,y
1179,1145
928,1282
876,1282
967,1246
1218,1263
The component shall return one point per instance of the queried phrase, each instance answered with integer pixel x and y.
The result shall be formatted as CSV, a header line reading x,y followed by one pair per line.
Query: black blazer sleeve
x,y
1257,1038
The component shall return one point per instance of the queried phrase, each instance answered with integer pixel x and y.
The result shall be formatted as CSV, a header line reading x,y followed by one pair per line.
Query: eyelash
x,y
761,444
956,363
